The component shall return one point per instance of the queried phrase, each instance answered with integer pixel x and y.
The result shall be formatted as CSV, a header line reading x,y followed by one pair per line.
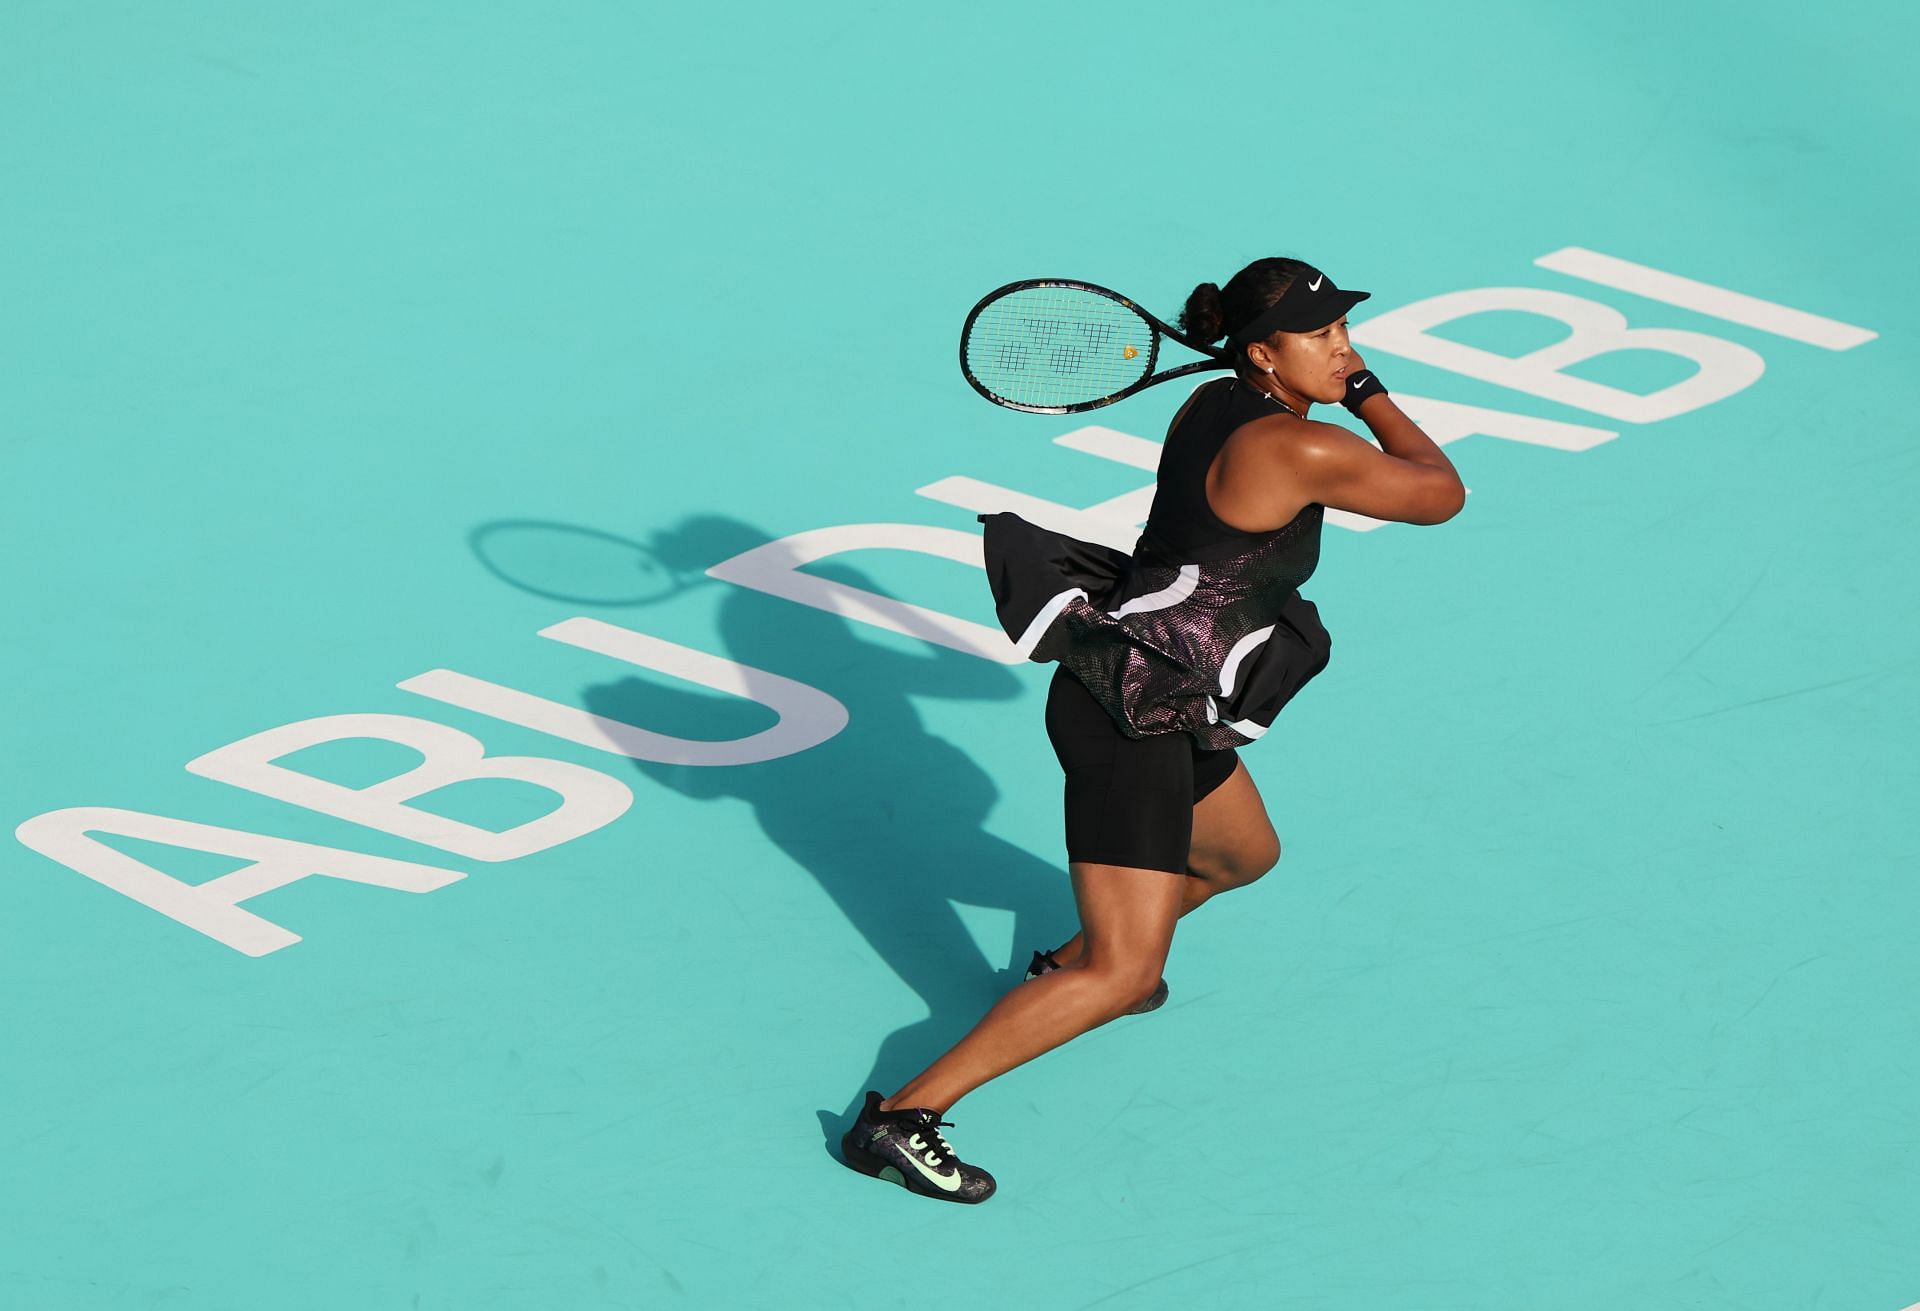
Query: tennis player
x,y
1169,660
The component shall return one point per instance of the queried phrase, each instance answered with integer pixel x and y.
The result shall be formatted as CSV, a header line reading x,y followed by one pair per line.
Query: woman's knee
x,y
1240,865
1264,855
1123,984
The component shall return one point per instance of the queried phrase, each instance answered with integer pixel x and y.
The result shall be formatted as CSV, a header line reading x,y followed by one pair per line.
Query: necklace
x,y
1275,399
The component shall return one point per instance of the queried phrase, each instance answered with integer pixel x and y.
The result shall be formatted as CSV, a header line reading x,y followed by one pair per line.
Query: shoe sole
x,y
858,1158
1152,1003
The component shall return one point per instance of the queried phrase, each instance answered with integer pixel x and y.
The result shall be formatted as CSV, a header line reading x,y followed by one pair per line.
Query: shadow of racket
x,y
565,562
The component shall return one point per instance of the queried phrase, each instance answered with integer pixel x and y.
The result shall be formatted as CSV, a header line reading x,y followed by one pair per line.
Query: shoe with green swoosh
x,y
904,1146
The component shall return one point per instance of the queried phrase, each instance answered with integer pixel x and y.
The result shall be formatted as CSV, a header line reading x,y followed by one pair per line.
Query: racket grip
x,y
1360,386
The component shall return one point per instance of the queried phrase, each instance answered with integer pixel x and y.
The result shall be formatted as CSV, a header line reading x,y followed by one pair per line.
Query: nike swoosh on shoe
x,y
949,1183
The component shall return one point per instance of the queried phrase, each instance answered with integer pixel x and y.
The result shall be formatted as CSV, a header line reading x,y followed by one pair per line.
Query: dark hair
x,y
1214,312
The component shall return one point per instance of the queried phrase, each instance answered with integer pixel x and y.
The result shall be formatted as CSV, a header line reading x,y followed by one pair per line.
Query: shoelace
x,y
939,1148
932,1129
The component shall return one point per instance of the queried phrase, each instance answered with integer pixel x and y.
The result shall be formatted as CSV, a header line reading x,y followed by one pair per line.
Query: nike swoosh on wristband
x,y
1315,284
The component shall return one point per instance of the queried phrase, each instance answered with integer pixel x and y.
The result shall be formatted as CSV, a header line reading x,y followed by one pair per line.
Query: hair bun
x,y
1203,317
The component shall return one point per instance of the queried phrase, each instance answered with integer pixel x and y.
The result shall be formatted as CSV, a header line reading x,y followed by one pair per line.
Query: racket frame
x,y
1158,329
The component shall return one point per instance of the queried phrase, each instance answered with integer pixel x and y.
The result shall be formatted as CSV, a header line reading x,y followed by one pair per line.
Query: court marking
x,y
1705,298
591,799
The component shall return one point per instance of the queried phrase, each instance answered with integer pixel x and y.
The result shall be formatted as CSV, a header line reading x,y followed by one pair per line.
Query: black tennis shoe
x,y
1043,962
904,1146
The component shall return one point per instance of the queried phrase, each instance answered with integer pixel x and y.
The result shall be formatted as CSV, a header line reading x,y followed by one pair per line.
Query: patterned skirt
x,y
1211,647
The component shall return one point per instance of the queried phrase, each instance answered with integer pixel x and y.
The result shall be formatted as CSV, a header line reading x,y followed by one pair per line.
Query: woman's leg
x,y
1233,844
1128,916
1129,811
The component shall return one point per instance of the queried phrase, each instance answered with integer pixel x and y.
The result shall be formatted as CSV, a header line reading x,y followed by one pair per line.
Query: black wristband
x,y
1360,386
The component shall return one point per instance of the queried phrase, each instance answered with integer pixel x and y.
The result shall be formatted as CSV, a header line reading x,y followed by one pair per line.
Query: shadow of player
x,y
886,815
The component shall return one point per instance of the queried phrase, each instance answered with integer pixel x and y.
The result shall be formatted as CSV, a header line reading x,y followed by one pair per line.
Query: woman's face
x,y
1312,365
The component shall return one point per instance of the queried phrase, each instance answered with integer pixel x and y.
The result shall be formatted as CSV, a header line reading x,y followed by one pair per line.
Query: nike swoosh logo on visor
x,y
1315,284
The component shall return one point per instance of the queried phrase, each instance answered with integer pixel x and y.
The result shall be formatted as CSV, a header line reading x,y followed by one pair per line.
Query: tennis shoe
x,y
904,1146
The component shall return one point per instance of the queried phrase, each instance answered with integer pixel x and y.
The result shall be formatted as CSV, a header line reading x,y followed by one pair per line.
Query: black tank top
x,y
1182,524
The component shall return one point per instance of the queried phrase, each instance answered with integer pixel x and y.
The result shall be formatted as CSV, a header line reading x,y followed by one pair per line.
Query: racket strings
x,y
1049,346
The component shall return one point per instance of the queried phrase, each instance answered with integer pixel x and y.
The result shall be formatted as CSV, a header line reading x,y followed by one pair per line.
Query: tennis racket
x,y
1051,346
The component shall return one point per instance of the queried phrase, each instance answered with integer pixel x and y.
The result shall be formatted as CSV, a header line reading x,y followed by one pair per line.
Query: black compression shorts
x,y
1129,800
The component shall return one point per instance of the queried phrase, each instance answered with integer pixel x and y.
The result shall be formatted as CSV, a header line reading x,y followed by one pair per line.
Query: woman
x,y
1170,659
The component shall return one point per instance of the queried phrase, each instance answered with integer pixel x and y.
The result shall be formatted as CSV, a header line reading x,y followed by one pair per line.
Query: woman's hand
x,y
1360,388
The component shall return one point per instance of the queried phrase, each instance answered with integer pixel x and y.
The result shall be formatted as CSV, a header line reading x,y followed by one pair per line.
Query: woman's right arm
x,y
1407,479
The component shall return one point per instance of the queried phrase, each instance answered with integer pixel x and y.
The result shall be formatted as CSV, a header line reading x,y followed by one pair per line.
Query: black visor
x,y
1311,302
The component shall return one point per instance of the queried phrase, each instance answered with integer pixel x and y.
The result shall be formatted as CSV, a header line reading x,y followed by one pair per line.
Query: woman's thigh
x,y
1233,838
1127,915
1129,801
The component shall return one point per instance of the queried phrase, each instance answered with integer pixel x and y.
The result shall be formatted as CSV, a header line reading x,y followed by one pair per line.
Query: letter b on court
x,y
1725,367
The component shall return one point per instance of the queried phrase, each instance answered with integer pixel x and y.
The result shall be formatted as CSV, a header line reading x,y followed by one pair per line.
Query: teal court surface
x,y
507,741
